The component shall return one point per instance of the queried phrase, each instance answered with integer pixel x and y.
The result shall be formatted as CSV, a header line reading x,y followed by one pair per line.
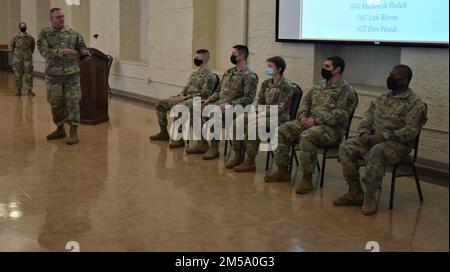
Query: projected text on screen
x,y
399,21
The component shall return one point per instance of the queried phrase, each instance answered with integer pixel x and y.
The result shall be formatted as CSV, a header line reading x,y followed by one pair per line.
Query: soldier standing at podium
x,y
62,47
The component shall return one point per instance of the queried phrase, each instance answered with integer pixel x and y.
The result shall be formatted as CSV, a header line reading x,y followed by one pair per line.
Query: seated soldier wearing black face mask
x,y
322,121
201,84
387,134
237,88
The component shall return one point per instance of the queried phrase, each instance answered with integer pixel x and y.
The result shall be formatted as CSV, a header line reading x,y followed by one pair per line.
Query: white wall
x,y
9,20
144,30
261,40
229,30
81,19
430,82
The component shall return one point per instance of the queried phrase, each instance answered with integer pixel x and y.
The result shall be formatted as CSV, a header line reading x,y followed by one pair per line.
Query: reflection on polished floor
x,y
115,191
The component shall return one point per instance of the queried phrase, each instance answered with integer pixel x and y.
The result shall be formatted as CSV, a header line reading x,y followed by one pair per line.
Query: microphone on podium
x,y
96,38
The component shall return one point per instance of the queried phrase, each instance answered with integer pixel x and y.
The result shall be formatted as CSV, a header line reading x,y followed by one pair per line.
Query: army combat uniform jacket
x,y
51,44
237,87
331,105
398,117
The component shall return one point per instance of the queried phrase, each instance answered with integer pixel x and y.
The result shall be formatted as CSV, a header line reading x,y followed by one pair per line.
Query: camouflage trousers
x,y
251,147
64,95
216,131
310,139
165,105
377,158
23,68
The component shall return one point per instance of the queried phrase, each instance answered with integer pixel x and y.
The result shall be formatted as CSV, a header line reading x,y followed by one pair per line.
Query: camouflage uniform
x,y
63,72
201,84
23,46
399,118
272,93
236,88
330,106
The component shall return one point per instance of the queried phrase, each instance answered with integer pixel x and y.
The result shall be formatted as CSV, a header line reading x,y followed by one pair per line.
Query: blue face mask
x,y
270,72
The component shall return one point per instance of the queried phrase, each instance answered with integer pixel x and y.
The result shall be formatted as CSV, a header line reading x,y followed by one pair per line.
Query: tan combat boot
x,y
281,175
236,161
247,167
213,151
163,135
31,93
200,147
19,93
176,144
59,133
306,185
355,197
73,138
370,205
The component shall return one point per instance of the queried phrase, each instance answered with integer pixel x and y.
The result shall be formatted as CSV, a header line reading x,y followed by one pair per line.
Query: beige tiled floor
x,y
115,191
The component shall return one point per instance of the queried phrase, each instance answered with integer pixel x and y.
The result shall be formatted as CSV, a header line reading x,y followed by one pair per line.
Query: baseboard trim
x,y
433,172
134,98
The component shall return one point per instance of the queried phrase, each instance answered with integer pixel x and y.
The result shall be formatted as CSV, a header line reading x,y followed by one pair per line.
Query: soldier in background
x,y
238,87
386,135
62,48
201,84
23,45
323,119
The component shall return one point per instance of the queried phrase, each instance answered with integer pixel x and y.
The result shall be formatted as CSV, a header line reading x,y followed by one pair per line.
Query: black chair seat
x,y
296,99
406,161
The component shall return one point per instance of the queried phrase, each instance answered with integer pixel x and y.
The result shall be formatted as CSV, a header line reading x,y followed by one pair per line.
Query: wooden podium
x,y
94,77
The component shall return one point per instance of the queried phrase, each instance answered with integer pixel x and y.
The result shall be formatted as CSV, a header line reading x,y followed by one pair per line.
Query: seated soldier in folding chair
x,y
201,84
237,88
386,135
322,121
275,91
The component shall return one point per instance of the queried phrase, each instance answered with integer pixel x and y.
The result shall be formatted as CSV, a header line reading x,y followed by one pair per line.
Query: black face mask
x,y
393,84
198,62
23,29
233,59
327,74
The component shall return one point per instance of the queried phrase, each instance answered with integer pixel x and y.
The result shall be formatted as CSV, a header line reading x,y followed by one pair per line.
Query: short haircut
x,y
242,50
338,62
279,63
22,23
53,10
405,71
205,54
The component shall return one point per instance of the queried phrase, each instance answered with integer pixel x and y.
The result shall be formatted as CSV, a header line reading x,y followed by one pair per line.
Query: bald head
x,y
399,78
404,72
